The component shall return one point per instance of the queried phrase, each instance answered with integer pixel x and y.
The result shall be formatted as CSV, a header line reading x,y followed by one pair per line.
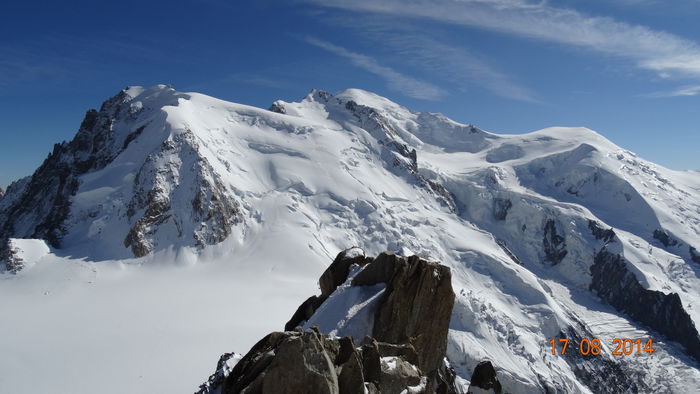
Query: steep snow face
x,y
519,218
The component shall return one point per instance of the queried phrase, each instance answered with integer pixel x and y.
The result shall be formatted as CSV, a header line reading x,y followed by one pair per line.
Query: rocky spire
x,y
405,351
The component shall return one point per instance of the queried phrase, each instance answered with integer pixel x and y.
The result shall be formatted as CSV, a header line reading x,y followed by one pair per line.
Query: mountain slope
x,y
532,225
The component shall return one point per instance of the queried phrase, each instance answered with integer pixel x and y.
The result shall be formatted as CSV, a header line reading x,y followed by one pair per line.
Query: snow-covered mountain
x,y
552,234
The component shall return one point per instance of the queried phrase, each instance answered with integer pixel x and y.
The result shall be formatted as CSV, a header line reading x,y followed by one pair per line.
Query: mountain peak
x,y
531,225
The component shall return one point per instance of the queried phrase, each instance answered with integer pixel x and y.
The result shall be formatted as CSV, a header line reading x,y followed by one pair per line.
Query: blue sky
x,y
629,69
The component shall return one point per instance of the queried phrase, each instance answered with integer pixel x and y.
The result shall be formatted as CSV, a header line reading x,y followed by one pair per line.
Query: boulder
x,y
484,379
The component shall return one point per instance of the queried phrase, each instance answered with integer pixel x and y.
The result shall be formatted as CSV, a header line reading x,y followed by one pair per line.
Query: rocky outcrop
x,y
223,369
177,193
310,362
405,352
554,244
416,306
332,277
278,108
209,203
43,200
601,233
694,255
484,379
338,271
500,208
615,284
9,256
664,238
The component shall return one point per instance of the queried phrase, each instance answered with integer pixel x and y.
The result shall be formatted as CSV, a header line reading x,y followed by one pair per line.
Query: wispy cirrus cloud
x,y
455,64
685,91
649,49
405,84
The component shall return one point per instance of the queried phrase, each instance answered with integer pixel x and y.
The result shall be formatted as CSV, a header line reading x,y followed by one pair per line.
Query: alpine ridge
x,y
552,234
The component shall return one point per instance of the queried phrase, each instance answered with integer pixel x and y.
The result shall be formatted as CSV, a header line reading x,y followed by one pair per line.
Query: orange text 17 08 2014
x,y
619,347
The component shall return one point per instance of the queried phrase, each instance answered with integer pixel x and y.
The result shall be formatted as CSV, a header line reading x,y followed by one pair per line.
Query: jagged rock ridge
x,y
405,351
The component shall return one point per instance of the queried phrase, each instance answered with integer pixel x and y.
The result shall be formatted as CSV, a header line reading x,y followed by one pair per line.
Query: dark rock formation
x,y
600,233
223,369
509,252
484,378
694,255
44,199
337,273
615,284
212,204
304,312
416,306
309,362
285,362
2,192
40,206
8,255
277,107
554,244
406,349
501,207
332,277
664,238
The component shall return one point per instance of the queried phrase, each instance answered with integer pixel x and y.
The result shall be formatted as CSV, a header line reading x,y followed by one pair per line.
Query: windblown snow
x,y
238,210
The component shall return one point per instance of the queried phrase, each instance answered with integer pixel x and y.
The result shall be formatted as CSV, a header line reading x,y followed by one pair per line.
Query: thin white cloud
x,y
686,91
649,49
397,81
457,65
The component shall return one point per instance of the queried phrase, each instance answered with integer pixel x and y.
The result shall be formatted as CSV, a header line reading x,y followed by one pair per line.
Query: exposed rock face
x,y
694,255
406,352
509,252
286,362
600,233
331,278
614,283
277,107
554,244
338,271
664,238
8,255
484,378
176,191
44,198
223,368
309,362
416,307
501,207
211,204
